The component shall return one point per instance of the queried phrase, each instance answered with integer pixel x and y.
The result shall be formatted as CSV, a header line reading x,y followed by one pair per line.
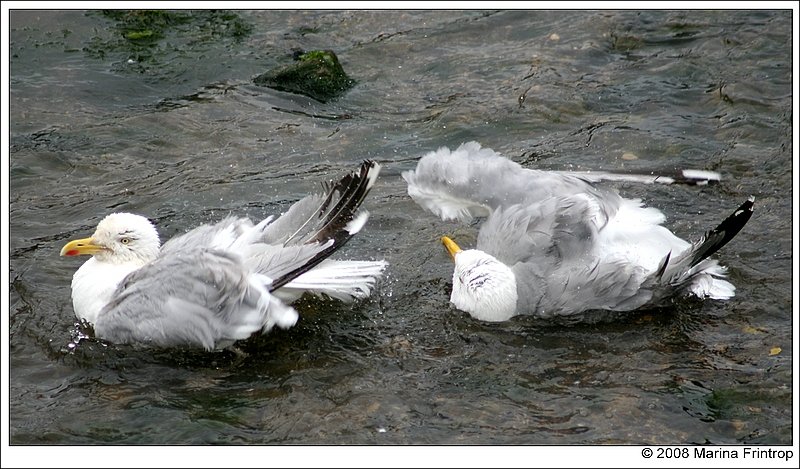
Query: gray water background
x,y
177,132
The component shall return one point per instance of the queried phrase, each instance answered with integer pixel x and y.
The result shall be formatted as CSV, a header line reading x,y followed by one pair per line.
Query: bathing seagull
x,y
555,244
225,281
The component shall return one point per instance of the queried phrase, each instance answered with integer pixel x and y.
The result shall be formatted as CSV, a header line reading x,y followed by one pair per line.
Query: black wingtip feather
x,y
724,232
353,189
663,267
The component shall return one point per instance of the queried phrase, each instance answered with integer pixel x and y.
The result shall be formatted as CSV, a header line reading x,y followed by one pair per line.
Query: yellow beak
x,y
451,246
84,246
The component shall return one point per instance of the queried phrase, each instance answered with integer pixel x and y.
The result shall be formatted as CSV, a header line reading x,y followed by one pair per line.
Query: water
x,y
177,132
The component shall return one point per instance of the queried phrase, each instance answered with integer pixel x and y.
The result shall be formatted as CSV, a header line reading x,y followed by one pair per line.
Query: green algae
x,y
148,41
316,74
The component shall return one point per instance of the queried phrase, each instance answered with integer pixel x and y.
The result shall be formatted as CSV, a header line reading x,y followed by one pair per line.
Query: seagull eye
x,y
125,240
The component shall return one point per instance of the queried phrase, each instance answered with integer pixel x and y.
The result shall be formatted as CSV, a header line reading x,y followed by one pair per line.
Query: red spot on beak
x,y
71,252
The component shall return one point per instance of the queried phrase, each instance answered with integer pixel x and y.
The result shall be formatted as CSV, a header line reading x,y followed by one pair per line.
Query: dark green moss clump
x,y
317,74
146,25
156,42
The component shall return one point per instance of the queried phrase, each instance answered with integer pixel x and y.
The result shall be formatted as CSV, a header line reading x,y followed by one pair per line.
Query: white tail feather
x,y
708,286
344,280
707,281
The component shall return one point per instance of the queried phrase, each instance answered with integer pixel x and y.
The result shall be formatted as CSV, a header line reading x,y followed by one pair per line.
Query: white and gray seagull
x,y
221,282
553,243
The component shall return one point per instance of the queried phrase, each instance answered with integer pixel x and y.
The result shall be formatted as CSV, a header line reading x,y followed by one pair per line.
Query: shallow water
x,y
177,131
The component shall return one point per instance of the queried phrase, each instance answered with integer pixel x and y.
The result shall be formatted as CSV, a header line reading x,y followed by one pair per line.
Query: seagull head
x,y
482,286
119,238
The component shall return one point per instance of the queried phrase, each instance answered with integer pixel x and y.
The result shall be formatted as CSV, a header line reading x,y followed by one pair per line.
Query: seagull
x,y
557,244
221,282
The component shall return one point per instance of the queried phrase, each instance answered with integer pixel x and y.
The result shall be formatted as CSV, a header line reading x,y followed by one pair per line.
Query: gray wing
x,y
550,248
203,297
574,287
549,231
219,235
295,224
691,177
472,181
260,247
310,231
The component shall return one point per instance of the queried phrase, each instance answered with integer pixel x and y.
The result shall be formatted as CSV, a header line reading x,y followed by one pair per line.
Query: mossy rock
x,y
316,74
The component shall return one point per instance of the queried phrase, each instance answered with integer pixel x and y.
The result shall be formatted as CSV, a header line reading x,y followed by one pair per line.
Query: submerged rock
x,y
316,74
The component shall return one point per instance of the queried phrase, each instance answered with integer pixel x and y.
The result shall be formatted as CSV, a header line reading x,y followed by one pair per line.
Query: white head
x,y
482,286
119,238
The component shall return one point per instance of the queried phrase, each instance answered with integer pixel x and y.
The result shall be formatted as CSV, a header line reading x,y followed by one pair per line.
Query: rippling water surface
x,y
175,130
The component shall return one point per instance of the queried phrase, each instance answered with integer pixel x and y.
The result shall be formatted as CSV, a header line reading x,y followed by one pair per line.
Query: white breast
x,y
94,284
